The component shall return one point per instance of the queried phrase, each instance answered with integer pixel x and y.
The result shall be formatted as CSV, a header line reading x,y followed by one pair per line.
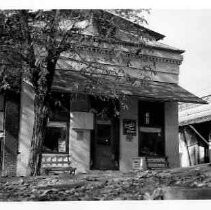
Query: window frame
x,y
58,124
154,124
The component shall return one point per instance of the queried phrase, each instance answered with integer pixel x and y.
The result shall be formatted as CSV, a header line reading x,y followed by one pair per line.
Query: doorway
x,y
105,137
1,152
151,129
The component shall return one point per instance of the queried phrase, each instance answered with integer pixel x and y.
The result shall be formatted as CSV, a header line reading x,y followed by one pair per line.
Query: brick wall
x,y
11,134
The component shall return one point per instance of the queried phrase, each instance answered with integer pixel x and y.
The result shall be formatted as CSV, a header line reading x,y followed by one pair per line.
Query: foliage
x,y
134,15
36,40
36,43
33,38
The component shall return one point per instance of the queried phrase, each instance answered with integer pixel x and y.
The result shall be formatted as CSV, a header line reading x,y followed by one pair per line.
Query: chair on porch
x,y
157,163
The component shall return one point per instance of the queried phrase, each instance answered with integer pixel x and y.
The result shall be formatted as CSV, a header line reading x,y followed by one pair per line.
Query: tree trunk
x,y
42,89
40,122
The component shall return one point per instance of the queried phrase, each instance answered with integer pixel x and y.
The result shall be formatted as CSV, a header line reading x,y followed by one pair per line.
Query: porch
x,y
102,140
99,140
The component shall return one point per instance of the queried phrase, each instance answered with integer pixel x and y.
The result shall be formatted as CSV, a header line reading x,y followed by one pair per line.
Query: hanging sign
x,y
129,127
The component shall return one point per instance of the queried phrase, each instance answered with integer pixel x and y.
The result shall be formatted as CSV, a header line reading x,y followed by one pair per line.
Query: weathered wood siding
x,y
128,149
171,134
11,126
26,129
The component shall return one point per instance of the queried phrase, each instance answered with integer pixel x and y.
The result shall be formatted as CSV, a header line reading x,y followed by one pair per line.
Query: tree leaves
x,y
53,30
35,40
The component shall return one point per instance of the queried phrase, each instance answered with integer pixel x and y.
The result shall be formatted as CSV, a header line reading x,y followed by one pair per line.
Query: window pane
x,y
56,140
152,145
1,121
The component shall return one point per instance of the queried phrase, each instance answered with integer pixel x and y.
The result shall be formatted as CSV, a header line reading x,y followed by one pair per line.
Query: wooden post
x,y
209,147
208,142
186,144
209,151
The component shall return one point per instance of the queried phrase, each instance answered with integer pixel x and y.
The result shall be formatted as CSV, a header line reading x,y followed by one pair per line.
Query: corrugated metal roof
x,y
195,114
73,81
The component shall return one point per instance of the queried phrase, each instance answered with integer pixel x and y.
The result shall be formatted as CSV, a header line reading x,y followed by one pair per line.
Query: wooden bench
x,y
156,163
57,163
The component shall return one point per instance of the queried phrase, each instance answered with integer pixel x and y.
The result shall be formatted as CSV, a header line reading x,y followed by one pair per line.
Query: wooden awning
x,y
73,81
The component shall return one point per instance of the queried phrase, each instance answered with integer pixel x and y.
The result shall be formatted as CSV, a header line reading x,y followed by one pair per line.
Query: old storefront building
x,y
97,133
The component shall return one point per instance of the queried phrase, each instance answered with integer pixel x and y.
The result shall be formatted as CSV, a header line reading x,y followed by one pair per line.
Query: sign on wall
x,y
129,127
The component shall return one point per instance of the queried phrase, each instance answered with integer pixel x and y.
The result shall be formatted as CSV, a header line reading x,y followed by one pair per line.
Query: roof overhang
x,y
194,120
195,114
73,81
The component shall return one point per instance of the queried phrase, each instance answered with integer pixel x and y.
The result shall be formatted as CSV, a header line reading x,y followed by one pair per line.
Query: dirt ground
x,y
109,185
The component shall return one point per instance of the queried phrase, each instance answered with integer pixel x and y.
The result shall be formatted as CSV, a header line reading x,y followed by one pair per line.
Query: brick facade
x,y
11,134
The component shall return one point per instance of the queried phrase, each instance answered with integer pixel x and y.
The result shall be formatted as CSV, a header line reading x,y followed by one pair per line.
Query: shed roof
x,y
73,81
195,113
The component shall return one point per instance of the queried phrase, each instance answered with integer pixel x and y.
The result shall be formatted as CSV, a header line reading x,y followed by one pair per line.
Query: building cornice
x,y
110,52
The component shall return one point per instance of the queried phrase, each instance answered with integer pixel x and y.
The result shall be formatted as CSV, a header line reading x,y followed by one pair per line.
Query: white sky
x,y
189,30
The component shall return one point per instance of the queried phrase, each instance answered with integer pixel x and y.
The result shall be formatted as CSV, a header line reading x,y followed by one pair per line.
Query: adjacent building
x,y
195,133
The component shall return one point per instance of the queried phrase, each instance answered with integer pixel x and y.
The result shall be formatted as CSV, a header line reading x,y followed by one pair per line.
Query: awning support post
x,y
207,142
209,151
202,138
209,147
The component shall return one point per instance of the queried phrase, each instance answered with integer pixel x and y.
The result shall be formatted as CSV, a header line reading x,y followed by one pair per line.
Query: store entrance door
x,y
104,146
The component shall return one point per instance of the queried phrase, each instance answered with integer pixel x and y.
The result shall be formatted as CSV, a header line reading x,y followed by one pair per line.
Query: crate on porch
x,y
139,163
57,163
151,163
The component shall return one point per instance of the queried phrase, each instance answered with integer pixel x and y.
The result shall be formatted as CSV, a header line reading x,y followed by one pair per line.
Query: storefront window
x,y
147,118
151,128
56,138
